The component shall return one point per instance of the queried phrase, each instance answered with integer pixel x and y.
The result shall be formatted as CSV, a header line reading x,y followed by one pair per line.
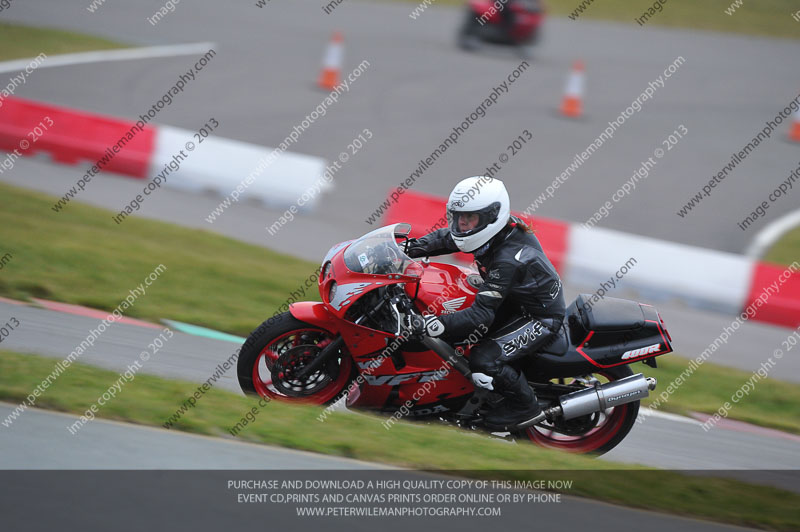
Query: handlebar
x,y
444,350
395,303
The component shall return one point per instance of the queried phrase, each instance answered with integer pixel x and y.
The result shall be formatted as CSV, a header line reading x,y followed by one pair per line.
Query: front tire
x,y
291,344
608,431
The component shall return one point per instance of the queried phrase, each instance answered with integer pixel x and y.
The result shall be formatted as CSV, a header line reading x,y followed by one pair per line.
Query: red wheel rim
x,y
262,378
607,427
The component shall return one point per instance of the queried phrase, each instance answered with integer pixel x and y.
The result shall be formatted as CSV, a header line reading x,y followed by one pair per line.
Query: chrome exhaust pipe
x,y
602,397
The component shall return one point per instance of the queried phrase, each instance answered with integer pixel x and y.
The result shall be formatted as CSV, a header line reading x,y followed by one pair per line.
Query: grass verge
x,y
786,250
771,403
771,18
81,256
17,41
151,400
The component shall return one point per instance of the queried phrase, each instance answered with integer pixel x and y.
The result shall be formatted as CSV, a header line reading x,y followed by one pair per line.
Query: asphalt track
x,y
105,445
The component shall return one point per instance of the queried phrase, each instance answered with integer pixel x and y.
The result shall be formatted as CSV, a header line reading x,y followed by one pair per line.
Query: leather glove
x,y
425,325
414,249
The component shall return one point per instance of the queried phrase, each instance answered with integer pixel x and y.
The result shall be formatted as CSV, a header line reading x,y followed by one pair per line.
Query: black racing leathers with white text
x,y
519,280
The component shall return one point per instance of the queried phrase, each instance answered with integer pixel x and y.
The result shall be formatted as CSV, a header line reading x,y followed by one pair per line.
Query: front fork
x,y
320,360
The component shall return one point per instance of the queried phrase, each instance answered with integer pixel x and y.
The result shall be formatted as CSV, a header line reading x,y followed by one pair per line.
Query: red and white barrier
x,y
699,276
76,136
214,163
782,295
220,164
710,279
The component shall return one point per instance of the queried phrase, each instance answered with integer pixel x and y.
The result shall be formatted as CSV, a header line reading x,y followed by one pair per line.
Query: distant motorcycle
x,y
356,343
484,23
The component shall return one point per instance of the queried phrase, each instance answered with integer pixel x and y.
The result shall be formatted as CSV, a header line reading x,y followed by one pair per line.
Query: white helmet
x,y
482,196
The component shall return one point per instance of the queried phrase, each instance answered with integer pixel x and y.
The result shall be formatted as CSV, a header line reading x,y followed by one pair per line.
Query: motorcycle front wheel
x,y
276,351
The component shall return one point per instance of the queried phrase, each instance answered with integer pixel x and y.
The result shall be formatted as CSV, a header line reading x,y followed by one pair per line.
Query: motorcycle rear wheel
x,y
605,434
298,343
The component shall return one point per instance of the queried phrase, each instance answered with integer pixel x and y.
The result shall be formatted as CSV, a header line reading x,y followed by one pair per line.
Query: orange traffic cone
x,y
794,133
332,63
572,104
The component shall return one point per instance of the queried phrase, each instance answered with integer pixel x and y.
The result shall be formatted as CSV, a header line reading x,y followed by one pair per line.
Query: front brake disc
x,y
288,365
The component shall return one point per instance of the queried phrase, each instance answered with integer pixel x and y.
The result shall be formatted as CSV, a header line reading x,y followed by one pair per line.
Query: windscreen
x,y
378,252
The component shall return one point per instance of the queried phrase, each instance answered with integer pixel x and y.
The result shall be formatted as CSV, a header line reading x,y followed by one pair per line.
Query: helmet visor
x,y
465,223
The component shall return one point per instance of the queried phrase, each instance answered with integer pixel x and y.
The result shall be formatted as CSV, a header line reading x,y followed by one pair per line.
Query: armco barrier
x,y
705,278
77,136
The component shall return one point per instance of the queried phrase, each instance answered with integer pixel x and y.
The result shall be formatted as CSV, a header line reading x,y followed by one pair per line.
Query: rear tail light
x,y
664,326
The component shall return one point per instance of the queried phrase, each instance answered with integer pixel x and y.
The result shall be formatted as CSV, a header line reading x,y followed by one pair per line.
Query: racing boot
x,y
519,405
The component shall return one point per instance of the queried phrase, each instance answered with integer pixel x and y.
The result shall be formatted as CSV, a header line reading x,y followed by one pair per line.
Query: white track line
x,y
125,54
647,412
771,233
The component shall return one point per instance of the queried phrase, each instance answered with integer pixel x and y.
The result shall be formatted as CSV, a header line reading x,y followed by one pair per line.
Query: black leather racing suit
x,y
520,302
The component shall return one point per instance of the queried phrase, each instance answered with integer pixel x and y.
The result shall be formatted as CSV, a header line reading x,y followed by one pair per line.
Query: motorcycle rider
x,y
520,301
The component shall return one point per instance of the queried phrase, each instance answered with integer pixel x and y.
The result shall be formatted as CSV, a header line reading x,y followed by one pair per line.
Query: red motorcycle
x,y
485,23
356,343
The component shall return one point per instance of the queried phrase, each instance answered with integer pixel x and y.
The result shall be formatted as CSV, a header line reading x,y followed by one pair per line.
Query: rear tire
x,y
617,422
275,338
468,38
